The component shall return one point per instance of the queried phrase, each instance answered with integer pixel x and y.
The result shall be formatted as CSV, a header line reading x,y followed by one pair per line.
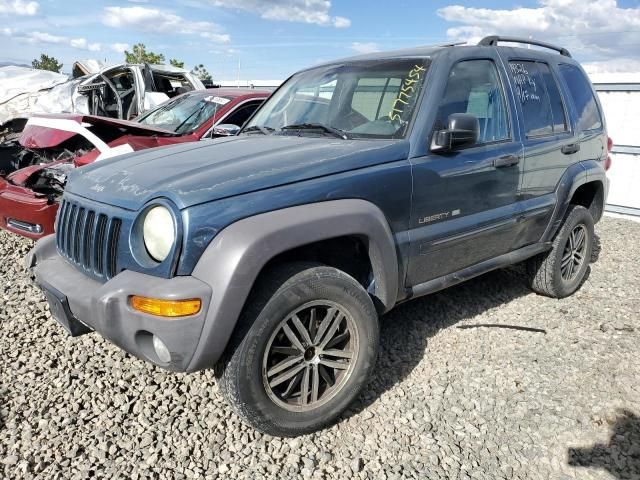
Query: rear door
x,y
550,145
464,202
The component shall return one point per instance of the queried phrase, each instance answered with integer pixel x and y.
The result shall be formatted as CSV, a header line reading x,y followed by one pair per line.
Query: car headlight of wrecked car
x,y
159,232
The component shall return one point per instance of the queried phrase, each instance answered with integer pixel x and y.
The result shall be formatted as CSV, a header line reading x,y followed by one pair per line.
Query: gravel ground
x,y
485,380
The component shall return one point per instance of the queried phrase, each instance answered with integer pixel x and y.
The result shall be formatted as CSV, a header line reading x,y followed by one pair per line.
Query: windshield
x,y
362,99
185,113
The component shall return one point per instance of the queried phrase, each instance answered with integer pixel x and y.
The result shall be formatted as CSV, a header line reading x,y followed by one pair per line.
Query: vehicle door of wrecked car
x,y
115,93
465,188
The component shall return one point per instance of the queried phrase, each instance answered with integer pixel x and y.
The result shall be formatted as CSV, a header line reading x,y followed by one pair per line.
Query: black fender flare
x,y
235,257
577,175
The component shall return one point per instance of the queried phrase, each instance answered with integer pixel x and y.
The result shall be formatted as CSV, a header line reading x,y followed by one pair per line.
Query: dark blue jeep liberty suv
x,y
359,184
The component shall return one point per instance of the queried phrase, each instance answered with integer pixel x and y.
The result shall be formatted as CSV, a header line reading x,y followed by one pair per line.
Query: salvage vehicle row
x,y
34,167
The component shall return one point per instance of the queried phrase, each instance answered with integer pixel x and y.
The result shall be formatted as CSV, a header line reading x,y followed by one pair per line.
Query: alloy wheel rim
x,y
573,256
310,356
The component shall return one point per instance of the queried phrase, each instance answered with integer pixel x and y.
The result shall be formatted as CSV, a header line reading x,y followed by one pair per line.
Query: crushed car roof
x,y
17,80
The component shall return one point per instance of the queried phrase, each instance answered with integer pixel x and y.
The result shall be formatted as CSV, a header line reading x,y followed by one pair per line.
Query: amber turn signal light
x,y
165,308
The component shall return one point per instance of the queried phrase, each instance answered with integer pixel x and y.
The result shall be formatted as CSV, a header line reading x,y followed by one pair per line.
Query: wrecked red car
x,y
34,167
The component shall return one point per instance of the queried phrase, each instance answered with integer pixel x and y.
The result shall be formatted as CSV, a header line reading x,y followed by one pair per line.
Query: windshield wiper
x,y
259,128
196,113
336,132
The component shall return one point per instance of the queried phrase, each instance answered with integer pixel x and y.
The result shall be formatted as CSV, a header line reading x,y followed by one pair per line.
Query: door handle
x,y
571,148
506,161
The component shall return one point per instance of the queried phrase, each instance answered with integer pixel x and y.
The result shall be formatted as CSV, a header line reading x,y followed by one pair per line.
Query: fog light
x,y
166,308
161,350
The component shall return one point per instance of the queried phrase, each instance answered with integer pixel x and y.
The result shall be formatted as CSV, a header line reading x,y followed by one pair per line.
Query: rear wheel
x,y
306,346
559,272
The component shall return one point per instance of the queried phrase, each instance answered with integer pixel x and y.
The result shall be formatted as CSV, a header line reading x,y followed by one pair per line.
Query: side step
x,y
468,273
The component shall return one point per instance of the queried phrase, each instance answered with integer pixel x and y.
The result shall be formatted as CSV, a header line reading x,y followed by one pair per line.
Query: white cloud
x,y
367,47
84,45
304,11
597,28
341,22
39,38
43,37
155,20
120,47
617,65
18,7
216,37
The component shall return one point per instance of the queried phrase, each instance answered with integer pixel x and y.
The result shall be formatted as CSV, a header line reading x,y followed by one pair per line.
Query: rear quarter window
x,y
589,117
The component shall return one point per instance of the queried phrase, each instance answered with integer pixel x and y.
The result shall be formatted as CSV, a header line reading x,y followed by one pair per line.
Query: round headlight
x,y
159,232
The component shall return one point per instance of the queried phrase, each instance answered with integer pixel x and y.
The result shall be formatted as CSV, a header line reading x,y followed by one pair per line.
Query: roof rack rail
x,y
493,40
454,44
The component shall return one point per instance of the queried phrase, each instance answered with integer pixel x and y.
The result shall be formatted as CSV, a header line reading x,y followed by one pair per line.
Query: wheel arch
x,y
583,184
237,256
591,196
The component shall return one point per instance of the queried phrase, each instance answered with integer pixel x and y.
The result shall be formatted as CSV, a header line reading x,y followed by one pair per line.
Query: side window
x,y
538,92
373,97
536,108
242,114
583,99
474,87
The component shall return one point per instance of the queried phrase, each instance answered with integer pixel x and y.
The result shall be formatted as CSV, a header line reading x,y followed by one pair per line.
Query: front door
x,y
464,207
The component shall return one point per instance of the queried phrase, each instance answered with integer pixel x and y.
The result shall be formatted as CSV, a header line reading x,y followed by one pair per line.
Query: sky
x,y
271,39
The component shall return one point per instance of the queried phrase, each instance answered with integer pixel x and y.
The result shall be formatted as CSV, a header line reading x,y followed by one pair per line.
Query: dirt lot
x,y
485,380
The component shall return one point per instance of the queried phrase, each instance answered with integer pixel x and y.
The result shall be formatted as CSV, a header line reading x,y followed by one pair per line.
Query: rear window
x,y
583,99
537,90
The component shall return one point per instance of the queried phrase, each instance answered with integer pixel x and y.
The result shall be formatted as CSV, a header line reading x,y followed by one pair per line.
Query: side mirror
x,y
463,129
225,130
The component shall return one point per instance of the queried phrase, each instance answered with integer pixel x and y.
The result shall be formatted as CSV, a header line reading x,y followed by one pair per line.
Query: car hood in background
x,y
190,174
38,136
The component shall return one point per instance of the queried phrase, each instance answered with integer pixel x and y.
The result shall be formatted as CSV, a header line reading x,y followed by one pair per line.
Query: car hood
x,y
39,136
193,173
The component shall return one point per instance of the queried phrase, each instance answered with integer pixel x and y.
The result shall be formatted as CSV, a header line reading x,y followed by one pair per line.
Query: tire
x,y
251,380
549,272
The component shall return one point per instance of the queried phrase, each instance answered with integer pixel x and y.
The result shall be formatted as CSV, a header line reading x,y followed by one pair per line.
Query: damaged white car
x,y
122,91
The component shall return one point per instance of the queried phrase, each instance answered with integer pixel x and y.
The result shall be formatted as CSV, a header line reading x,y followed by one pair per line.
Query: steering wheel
x,y
352,120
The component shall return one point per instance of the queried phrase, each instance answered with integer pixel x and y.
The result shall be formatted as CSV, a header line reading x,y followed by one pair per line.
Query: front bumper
x,y
22,212
105,308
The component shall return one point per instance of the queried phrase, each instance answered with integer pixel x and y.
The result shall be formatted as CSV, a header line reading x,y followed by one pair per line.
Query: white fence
x,y
620,98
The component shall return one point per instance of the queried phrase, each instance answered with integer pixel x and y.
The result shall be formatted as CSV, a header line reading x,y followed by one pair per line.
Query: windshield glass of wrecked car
x,y
360,99
185,113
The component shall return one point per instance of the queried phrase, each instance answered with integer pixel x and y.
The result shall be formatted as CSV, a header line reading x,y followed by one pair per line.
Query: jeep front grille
x,y
88,239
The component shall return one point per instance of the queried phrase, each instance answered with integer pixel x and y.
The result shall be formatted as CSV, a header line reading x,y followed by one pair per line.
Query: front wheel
x,y
306,345
559,272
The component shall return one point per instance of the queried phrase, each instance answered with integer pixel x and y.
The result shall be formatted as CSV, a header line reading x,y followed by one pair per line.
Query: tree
x,y
176,63
201,72
140,55
47,63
